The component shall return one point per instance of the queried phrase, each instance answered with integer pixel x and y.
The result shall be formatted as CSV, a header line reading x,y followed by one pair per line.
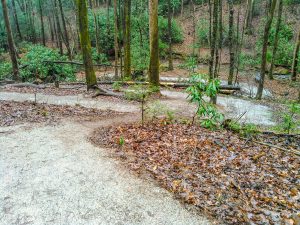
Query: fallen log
x,y
22,85
78,63
170,84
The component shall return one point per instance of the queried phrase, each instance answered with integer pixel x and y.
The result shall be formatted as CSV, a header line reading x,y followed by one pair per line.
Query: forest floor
x,y
69,180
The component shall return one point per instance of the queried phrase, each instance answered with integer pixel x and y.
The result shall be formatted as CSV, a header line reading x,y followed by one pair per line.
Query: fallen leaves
x,y
12,113
236,181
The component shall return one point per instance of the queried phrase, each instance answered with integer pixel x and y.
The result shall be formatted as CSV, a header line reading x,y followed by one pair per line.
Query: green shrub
x,y
5,70
38,67
177,35
290,119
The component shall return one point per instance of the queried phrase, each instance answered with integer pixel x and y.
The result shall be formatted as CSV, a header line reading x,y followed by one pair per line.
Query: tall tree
x,y
85,42
249,27
154,53
127,39
276,39
116,38
16,19
265,49
42,22
170,57
10,40
296,59
230,38
66,34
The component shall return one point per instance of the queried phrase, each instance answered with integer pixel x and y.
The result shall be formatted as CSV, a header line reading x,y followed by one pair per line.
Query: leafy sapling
x,y
199,90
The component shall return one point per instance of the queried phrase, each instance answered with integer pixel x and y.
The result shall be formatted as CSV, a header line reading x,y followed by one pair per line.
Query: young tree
x,y
296,59
66,34
170,35
116,38
127,39
154,53
85,42
275,47
16,19
42,22
265,49
11,43
230,37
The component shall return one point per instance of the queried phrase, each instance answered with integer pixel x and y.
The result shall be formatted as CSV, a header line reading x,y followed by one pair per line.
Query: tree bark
x,y
170,56
296,60
116,38
265,49
127,39
275,47
66,35
230,37
85,42
11,43
154,53
16,19
42,22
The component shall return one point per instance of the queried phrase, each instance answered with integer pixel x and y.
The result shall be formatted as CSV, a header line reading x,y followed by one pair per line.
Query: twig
x,y
275,146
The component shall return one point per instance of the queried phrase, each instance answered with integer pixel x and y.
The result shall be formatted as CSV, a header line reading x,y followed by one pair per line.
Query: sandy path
x,y
54,175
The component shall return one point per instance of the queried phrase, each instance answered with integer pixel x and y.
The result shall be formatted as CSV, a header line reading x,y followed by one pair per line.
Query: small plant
x,y
289,121
121,141
139,93
200,88
157,109
116,86
247,130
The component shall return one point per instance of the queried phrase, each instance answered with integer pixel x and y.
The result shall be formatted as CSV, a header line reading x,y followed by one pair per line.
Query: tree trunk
x,y
66,35
85,42
154,53
116,38
296,59
11,43
42,22
230,37
264,50
249,27
97,34
16,19
275,47
171,67
127,47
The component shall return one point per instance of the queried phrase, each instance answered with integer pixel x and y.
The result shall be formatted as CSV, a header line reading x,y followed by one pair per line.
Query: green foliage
x,y
38,67
137,93
116,86
285,48
121,141
290,119
157,109
5,70
200,88
246,130
248,60
177,35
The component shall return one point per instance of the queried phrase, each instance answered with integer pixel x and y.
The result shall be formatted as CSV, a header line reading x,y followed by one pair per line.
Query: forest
x,y
150,112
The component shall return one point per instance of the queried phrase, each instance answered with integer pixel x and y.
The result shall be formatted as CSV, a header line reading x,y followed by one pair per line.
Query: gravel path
x,y
54,175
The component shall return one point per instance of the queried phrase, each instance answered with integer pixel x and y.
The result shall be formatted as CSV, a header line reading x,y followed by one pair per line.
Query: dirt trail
x,y
232,107
54,175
